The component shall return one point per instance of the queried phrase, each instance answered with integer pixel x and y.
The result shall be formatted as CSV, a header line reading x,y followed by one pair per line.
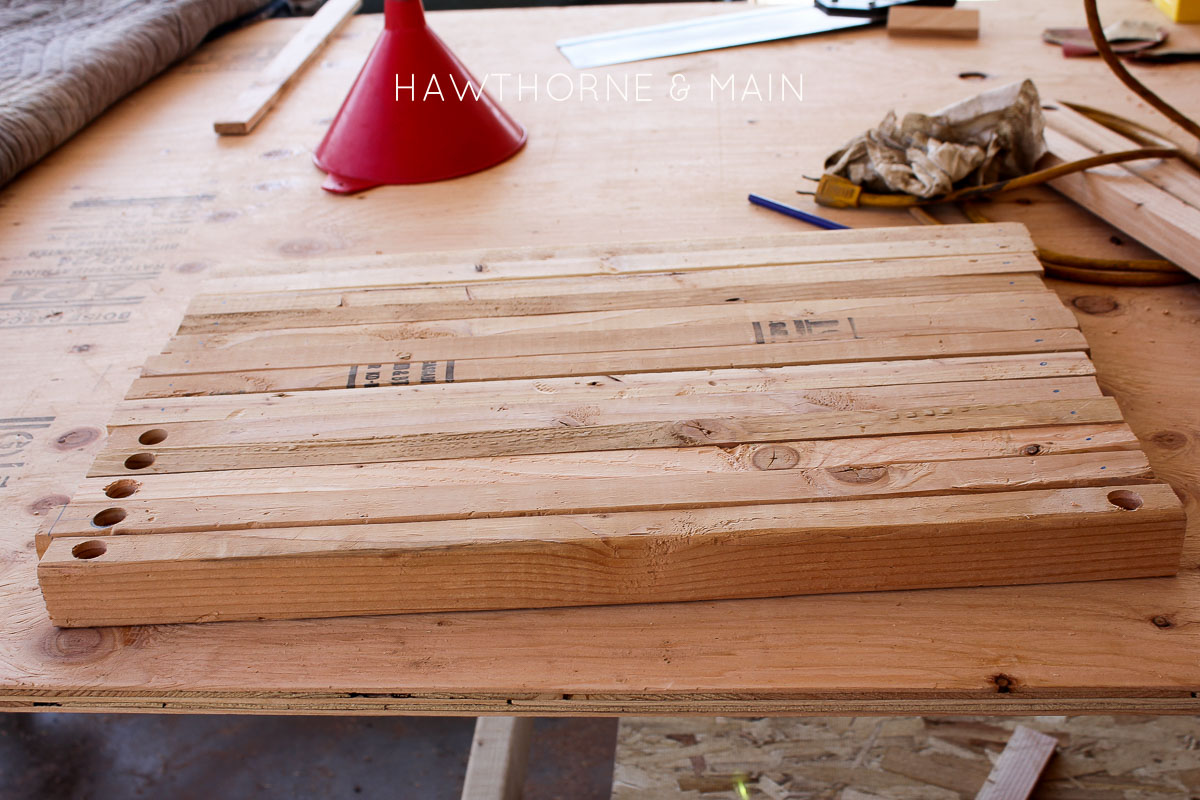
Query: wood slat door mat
x,y
827,412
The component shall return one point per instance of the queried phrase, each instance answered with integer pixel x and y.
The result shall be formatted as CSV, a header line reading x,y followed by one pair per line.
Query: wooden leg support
x,y
499,754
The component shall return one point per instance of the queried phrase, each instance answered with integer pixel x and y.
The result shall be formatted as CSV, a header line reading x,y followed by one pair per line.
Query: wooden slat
x,y
752,551
487,265
629,464
691,432
505,299
712,284
503,414
1154,217
1020,765
691,326
1171,175
254,103
611,363
590,388
315,506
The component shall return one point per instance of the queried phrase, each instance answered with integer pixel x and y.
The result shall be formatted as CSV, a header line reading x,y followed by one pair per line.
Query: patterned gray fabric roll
x,y
62,62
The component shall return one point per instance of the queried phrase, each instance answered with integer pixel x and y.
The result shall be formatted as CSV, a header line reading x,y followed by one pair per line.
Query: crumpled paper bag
x,y
993,136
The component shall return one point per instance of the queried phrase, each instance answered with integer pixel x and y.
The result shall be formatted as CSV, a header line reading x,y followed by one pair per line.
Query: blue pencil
x,y
796,213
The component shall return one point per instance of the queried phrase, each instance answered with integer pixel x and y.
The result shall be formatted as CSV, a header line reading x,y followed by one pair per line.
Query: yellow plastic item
x,y
1180,10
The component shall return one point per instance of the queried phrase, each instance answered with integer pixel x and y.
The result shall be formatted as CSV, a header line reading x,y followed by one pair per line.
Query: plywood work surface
x,y
106,242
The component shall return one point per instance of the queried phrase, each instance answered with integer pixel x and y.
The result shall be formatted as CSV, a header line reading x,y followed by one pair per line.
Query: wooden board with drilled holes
x,y
728,427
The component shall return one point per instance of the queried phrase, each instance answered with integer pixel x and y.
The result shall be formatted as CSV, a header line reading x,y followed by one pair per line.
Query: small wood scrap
x,y
1019,767
253,104
933,21
1156,202
903,758
833,412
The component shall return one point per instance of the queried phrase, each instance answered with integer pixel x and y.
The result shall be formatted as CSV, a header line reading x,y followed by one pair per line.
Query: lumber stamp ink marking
x,y
401,373
55,297
770,331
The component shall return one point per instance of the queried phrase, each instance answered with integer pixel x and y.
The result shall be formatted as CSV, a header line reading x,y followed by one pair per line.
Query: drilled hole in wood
x,y
89,549
139,461
122,488
1125,499
153,436
108,517
973,76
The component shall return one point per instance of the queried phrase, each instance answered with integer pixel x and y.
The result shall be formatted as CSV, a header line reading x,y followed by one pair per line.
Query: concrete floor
x,y
120,756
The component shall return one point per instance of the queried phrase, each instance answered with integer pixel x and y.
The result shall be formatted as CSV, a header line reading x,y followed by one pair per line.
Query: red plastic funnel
x,y
385,134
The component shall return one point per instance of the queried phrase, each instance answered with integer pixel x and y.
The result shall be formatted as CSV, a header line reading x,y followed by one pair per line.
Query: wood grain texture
x,y
308,505
739,322
1171,175
731,375
939,23
142,205
436,303
744,255
1153,216
1016,773
593,388
827,454
640,557
559,438
679,359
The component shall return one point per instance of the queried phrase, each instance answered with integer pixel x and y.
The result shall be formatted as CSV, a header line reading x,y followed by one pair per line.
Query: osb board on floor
x,y
900,758
105,242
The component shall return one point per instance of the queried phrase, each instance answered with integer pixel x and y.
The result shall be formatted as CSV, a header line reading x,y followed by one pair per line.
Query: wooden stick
x,y
309,506
994,290
406,373
254,103
1171,175
695,326
155,411
682,287
655,556
504,413
630,464
491,264
559,438
1020,765
912,278
1154,217
499,756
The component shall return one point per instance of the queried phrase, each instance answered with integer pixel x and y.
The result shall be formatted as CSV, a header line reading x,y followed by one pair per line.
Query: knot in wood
x,y
774,456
